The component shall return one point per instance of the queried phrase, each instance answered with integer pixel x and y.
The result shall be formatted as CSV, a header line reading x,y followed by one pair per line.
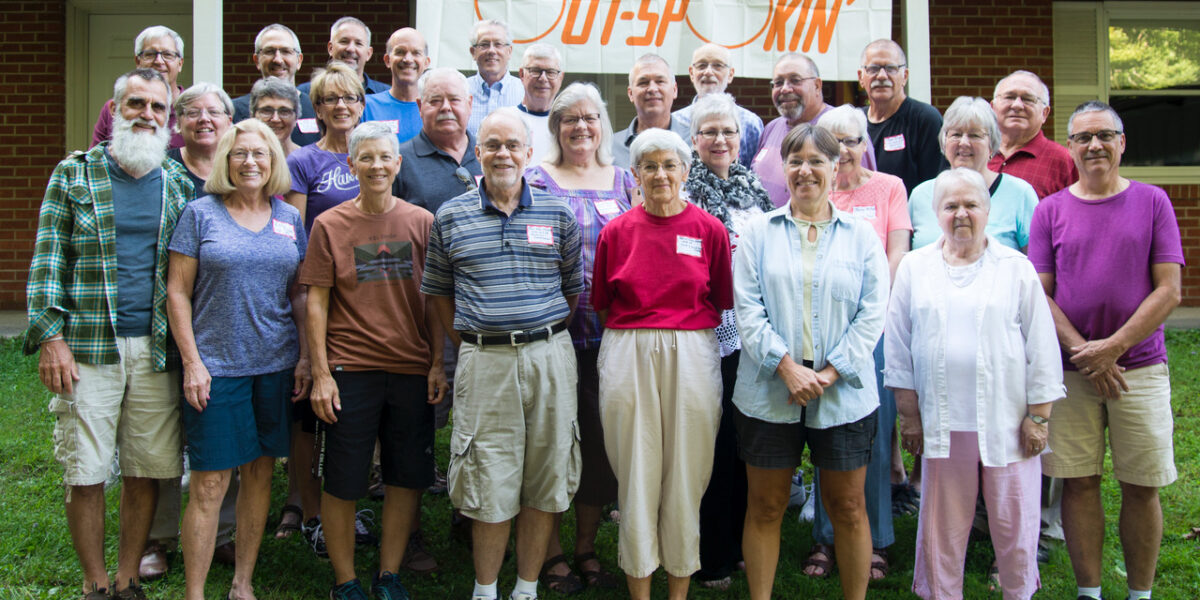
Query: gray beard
x,y
793,114
137,153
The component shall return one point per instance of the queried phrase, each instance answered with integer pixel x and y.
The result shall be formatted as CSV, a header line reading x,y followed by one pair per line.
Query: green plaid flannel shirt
x,y
72,286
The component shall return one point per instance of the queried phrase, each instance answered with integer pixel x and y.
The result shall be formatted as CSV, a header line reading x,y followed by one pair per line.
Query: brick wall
x,y
32,129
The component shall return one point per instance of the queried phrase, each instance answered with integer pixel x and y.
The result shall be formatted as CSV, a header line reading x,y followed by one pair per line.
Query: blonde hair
x,y
280,180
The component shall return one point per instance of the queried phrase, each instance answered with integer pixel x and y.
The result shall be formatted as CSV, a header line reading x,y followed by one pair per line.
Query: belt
x,y
513,338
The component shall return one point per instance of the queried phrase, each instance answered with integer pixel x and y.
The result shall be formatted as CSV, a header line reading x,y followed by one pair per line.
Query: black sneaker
x,y
362,535
387,586
315,536
351,590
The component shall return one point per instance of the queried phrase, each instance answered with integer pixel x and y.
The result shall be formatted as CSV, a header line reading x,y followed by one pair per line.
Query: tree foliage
x,y
1154,57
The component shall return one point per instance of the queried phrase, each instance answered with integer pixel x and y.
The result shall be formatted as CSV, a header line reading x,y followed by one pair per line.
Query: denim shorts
x,y
246,417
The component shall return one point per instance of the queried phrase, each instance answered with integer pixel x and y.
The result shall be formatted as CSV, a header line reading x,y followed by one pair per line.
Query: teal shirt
x,y
1013,201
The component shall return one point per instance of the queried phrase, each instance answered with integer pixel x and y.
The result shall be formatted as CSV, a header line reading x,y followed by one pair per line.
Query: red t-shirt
x,y
663,272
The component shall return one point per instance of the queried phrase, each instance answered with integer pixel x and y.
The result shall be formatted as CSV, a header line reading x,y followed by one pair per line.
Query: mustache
x,y
882,83
446,116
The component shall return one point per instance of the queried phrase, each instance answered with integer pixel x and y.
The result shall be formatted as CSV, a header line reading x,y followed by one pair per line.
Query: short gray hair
x,y
540,50
812,65
951,178
372,130
198,91
1095,106
654,140
647,59
570,96
274,87
338,24
1045,97
454,74
276,27
966,111
490,23
512,113
714,106
885,42
153,33
847,119
122,82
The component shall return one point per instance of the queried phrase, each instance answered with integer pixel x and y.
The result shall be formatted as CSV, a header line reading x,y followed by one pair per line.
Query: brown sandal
x,y
879,562
598,578
824,565
566,585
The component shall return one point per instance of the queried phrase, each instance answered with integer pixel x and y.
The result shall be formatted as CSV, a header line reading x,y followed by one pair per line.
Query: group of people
x,y
664,317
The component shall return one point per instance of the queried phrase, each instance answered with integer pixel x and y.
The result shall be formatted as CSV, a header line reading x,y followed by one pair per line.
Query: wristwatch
x,y
1038,420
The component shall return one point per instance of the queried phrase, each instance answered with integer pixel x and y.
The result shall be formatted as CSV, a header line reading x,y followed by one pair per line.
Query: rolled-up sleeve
x,y
45,289
853,354
761,344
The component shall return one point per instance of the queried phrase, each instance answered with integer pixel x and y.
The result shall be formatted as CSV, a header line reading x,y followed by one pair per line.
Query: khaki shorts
x,y
515,441
1139,424
127,406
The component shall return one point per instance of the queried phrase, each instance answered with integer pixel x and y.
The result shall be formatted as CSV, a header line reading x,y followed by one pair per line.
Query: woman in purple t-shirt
x,y
321,176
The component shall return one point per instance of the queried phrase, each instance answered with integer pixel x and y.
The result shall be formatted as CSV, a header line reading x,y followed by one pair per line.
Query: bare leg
x,y
534,529
1083,527
85,519
337,521
488,543
400,505
554,546
767,498
639,587
587,525
1141,533
677,587
206,491
842,494
253,504
301,460
138,497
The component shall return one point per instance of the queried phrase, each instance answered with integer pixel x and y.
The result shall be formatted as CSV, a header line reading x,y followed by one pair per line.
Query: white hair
x,y
276,27
654,140
153,33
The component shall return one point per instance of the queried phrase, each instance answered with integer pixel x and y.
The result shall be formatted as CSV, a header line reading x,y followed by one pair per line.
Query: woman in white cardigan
x,y
972,355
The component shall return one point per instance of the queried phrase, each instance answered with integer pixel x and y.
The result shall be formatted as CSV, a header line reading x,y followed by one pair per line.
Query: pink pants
x,y
948,492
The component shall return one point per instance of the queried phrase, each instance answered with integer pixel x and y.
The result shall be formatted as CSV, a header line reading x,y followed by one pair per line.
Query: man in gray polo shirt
x,y
439,163
503,272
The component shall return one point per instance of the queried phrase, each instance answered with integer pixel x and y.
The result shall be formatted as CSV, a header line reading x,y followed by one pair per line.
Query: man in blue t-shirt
x,y
407,57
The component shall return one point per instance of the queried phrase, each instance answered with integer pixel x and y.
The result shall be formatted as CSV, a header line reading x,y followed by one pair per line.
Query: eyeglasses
x,y
152,55
512,146
889,69
1085,137
573,120
792,81
535,72
266,113
1026,99
652,168
850,142
333,100
284,52
213,113
242,155
704,66
481,46
711,134
465,177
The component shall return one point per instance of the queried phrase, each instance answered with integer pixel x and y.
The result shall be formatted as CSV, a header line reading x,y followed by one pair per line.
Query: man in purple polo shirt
x,y
1022,103
1109,255
796,92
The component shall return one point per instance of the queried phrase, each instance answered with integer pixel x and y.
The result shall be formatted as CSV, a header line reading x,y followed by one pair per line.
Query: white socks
x,y
485,591
525,587
1139,594
1092,592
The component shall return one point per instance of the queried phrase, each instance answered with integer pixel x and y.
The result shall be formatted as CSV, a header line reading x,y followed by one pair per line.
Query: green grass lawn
x,y
37,561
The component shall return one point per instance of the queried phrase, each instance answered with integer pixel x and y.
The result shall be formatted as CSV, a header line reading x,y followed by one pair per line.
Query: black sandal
x,y
566,585
287,528
598,578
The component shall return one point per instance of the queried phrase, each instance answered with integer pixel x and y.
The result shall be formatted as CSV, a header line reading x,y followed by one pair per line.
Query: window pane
x,y
1160,131
1154,56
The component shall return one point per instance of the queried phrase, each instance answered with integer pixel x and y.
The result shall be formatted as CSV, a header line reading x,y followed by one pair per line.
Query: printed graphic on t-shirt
x,y
337,178
384,261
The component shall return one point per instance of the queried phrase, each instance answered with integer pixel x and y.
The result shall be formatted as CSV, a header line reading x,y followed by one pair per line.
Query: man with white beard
x,y
711,71
97,313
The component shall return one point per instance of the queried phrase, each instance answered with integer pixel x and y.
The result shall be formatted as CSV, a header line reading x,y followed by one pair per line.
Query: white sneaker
x,y
799,494
522,596
808,511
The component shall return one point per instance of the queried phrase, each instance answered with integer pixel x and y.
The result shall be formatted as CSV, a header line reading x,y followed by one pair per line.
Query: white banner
x,y
605,36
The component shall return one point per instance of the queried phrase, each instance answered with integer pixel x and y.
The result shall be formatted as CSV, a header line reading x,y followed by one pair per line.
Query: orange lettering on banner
x,y
613,7
821,25
823,29
651,18
670,16
568,35
777,30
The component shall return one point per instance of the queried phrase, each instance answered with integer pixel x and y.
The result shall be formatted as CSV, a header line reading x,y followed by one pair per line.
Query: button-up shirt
x,y
849,298
1047,166
72,286
509,91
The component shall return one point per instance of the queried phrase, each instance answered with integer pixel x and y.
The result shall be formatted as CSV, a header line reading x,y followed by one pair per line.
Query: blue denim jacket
x,y
850,293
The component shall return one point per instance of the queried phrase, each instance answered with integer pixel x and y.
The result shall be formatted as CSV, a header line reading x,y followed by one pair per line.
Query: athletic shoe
x,y
315,536
387,586
351,590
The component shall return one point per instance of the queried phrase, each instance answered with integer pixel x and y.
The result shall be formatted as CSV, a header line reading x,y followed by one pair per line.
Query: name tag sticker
x,y
542,235
893,143
607,207
307,125
761,154
393,124
285,229
865,212
687,245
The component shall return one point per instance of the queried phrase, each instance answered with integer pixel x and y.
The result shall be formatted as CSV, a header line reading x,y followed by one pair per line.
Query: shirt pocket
x,y
83,211
844,281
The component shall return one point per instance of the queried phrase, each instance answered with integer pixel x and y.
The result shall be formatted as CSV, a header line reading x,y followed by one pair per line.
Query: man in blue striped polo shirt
x,y
503,273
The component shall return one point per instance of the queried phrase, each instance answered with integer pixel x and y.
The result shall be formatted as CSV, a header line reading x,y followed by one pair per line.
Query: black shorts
x,y
387,407
769,445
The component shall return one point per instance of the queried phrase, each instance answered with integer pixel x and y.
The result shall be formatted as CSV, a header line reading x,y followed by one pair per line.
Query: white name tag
x,y
893,143
865,212
761,154
308,125
284,229
540,234
688,245
394,125
607,207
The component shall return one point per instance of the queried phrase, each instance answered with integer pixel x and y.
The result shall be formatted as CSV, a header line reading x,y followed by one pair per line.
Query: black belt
x,y
513,338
